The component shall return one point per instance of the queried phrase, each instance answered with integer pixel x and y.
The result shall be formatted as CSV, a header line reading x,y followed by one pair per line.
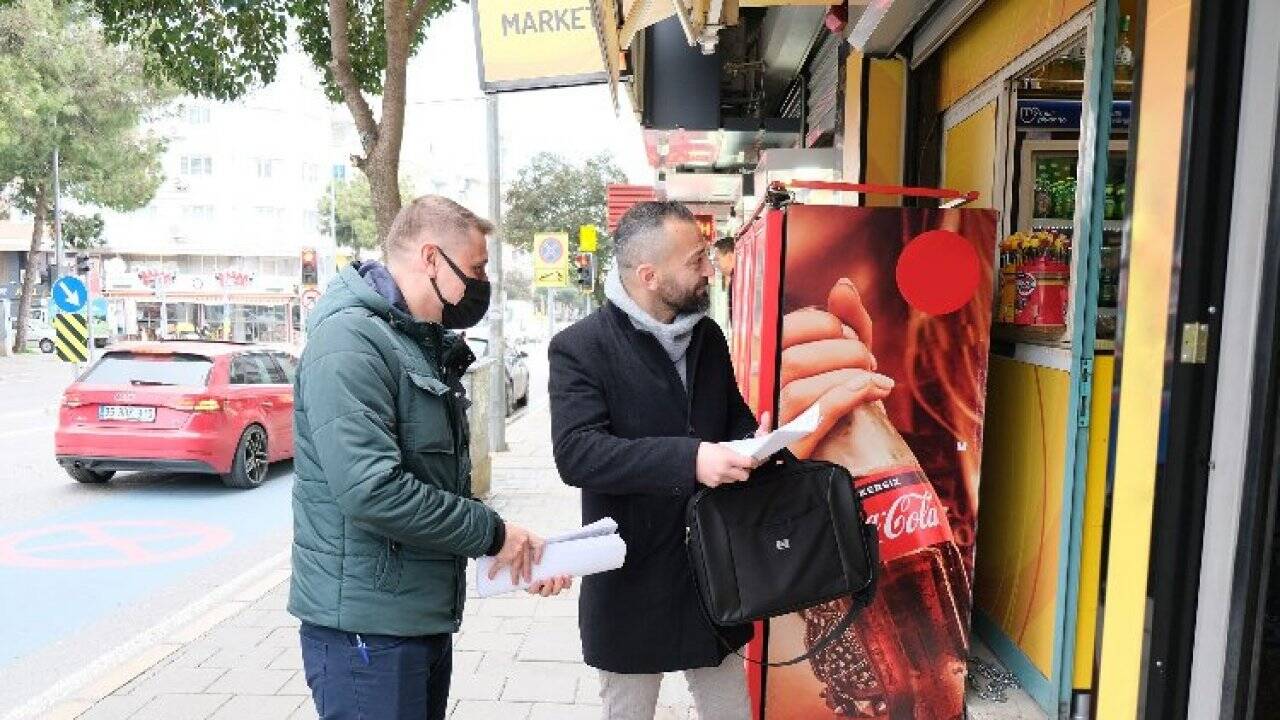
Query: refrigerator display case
x,y
1038,269
815,286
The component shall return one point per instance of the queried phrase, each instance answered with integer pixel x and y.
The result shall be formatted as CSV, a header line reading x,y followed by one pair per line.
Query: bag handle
x,y
829,638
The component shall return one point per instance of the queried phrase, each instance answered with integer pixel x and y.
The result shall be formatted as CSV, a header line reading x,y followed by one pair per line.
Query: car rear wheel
x,y
249,467
46,346
89,477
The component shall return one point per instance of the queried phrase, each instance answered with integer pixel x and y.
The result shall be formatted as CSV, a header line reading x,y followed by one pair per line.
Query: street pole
x,y
57,222
498,386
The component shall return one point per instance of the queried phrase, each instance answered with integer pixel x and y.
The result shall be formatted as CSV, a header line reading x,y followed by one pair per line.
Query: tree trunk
x,y
32,273
383,171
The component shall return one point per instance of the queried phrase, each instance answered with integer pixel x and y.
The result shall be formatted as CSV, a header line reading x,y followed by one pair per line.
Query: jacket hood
x,y
369,286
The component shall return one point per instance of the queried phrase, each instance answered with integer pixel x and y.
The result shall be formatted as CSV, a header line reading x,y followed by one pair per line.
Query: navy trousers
x,y
376,677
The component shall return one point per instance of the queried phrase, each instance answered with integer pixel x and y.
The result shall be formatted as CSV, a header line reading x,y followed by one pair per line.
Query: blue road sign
x,y
70,294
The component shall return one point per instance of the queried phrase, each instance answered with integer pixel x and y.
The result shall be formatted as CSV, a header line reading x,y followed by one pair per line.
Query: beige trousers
x,y
719,693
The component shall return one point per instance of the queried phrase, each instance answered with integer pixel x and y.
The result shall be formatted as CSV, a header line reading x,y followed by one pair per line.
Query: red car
x,y
181,406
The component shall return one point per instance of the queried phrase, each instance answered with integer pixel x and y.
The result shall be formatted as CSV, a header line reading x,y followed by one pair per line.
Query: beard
x,y
684,301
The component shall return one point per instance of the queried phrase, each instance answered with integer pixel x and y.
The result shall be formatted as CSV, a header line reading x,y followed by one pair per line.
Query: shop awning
x,y
16,236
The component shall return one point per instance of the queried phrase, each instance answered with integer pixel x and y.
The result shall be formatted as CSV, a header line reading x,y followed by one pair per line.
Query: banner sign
x,y
551,260
1065,114
532,44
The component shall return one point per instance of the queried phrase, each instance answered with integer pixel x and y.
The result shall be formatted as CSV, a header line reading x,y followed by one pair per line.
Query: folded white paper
x,y
760,448
591,549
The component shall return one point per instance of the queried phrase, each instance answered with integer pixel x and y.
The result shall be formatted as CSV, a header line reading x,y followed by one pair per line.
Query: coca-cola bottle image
x,y
904,658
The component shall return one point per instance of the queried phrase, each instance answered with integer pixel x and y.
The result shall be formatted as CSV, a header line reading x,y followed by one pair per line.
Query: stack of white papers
x,y
588,550
761,448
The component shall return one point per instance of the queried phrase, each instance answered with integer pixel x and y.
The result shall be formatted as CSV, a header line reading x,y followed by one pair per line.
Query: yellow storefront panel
x,y
969,155
995,35
1019,524
1158,165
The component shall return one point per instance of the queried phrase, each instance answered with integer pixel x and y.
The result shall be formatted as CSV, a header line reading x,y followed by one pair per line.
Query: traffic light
x,y
310,274
584,271
82,264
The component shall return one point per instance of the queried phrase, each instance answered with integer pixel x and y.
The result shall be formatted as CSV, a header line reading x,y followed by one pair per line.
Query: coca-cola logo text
x,y
910,513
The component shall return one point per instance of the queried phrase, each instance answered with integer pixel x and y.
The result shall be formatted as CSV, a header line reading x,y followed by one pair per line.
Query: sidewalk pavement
x,y
517,657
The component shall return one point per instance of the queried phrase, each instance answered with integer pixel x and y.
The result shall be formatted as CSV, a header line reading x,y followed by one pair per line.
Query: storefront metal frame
x,y
1240,512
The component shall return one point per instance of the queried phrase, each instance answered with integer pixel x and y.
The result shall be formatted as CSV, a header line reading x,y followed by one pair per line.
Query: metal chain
x,y
989,681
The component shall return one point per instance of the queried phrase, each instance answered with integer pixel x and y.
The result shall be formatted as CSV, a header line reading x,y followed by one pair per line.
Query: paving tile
x,y
489,642
527,686
289,659
176,680
305,711
490,710
181,707
241,681
476,687
465,662
552,644
258,657
297,685
556,711
588,691
259,707
115,707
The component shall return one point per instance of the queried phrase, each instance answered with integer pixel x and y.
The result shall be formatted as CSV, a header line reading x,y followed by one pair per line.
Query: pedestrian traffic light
x,y
82,264
310,274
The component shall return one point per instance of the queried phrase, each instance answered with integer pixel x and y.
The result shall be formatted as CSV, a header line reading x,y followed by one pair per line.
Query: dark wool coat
x,y
627,433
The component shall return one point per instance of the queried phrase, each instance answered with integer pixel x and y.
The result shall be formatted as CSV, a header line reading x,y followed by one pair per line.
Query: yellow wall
x,y
1020,504
969,155
1146,324
886,100
1095,499
997,34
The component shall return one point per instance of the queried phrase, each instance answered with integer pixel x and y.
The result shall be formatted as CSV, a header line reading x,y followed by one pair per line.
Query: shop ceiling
x,y
717,82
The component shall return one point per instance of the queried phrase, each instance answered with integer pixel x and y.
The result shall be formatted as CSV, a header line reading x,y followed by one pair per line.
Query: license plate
x,y
127,413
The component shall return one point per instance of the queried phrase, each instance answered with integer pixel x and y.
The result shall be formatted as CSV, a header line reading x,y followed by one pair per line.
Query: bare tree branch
x,y
344,77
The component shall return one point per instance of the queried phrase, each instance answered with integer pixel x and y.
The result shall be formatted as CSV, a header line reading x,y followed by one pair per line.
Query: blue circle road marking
x,y
70,294
110,544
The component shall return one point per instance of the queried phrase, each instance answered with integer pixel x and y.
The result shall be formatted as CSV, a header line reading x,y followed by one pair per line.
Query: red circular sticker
x,y
938,272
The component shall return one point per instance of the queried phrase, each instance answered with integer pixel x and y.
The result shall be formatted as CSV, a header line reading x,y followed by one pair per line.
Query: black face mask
x,y
473,305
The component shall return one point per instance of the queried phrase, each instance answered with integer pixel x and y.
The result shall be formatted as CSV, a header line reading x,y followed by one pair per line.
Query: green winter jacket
x,y
382,510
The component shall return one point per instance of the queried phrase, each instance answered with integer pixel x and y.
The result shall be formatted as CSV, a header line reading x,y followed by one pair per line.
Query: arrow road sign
x,y
70,294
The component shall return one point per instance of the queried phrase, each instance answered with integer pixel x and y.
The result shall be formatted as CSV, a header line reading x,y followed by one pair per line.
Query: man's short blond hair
x,y
439,218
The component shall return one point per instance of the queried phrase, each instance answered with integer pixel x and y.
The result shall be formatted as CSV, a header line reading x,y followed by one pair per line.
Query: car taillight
x,y
200,405
72,401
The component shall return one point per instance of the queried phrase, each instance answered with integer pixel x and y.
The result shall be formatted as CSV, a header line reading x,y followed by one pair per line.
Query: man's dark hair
x,y
724,245
641,227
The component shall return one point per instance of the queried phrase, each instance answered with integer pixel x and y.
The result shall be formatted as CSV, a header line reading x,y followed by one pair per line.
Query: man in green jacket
x,y
383,516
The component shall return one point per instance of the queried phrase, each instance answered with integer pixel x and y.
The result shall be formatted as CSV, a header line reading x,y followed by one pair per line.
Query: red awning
x,y
620,198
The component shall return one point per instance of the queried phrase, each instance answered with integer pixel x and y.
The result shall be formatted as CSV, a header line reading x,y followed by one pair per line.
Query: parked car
x,y
516,367
181,406
42,335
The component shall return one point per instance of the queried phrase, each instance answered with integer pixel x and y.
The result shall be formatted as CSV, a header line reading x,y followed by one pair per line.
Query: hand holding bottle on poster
x,y
827,359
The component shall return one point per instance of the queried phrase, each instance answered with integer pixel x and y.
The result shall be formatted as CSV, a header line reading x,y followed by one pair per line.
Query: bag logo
x,y
783,544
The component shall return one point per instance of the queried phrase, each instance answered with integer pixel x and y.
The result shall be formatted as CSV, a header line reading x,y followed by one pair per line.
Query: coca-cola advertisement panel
x,y
885,322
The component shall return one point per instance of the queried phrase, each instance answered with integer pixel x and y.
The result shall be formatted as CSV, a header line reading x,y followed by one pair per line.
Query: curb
x,y
80,691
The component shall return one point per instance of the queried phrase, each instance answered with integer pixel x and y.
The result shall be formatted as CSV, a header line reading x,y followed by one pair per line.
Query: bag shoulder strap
x,y
845,623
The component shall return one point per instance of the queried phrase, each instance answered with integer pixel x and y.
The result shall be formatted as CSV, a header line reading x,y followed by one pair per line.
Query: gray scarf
x,y
674,336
